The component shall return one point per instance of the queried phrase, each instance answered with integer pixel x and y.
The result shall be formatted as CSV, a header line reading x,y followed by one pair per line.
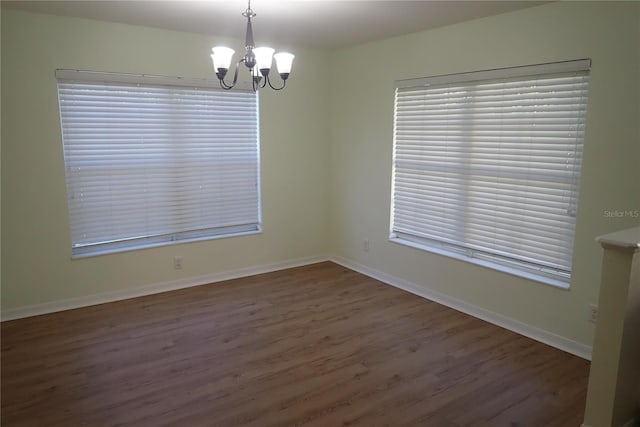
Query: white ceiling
x,y
313,23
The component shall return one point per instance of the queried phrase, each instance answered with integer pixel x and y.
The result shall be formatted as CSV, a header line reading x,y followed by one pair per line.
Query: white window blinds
x,y
153,160
487,165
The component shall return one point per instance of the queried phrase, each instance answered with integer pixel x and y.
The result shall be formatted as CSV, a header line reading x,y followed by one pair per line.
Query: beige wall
x,y
326,154
362,125
36,264
0,162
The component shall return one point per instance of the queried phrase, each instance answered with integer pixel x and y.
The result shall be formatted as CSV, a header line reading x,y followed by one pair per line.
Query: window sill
x,y
484,263
129,248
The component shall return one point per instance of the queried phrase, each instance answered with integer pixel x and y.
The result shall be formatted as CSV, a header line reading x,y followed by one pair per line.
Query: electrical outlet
x,y
177,263
365,245
592,313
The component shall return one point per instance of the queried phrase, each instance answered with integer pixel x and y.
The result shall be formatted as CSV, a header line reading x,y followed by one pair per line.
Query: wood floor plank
x,y
319,345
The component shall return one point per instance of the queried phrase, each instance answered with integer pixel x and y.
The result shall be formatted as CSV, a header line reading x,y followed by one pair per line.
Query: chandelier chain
x,y
249,13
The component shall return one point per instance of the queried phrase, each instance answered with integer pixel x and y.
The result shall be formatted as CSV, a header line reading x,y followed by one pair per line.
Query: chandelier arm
x,y
224,85
235,74
284,83
227,86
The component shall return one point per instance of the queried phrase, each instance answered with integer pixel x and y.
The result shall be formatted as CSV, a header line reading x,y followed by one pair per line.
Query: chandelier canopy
x,y
257,59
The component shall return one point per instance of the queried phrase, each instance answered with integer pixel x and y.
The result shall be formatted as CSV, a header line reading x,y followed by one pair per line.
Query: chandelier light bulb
x,y
221,58
264,58
284,61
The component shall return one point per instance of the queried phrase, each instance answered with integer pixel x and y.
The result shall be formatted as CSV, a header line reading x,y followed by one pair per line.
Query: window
x,y
156,160
487,166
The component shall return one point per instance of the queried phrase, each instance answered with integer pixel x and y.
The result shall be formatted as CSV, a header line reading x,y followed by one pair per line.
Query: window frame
x,y
453,249
191,233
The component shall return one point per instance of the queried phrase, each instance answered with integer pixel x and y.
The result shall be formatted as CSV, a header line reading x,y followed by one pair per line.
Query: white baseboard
x,y
546,337
68,304
537,334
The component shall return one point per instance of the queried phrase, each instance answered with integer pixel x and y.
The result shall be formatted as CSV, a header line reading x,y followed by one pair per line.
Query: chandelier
x,y
257,59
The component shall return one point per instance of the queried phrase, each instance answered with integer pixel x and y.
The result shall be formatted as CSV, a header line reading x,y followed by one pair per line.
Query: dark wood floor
x,y
315,346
